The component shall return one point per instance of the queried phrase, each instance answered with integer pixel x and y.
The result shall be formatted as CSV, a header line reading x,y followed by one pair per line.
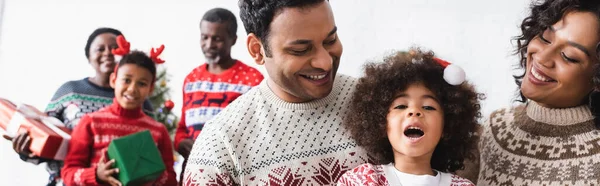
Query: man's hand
x,y
185,147
105,172
21,143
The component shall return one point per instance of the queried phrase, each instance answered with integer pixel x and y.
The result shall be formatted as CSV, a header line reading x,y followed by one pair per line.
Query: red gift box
x,y
49,138
7,109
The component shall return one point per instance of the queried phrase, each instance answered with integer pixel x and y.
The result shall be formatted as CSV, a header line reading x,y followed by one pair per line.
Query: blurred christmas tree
x,y
161,100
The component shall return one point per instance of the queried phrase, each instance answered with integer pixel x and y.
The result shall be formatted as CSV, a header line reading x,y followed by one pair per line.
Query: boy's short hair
x,y
141,59
375,93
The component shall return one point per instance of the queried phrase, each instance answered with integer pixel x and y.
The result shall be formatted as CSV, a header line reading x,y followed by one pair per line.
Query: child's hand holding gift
x,y
105,172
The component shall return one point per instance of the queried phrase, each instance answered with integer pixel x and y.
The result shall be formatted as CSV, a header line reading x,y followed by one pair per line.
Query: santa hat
x,y
453,74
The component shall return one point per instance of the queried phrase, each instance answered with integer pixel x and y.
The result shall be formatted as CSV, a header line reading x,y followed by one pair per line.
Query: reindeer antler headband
x,y
123,46
155,53
124,49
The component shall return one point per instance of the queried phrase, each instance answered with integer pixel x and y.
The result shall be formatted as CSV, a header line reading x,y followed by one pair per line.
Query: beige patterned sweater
x,y
534,145
260,139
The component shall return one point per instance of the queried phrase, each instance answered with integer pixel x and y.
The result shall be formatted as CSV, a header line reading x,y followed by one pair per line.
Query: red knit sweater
x,y
95,131
205,94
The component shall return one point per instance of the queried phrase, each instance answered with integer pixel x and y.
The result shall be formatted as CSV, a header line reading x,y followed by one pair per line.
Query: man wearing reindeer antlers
x,y
213,85
287,130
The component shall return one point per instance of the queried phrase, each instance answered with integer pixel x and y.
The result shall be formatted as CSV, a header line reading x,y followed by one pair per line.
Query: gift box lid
x,y
137,157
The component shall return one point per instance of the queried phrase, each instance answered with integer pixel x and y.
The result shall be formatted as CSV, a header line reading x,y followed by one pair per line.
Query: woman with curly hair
x,y
416,118
553,138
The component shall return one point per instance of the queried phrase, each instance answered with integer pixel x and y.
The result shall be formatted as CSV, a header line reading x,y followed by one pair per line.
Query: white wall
x,y
1,13
42,44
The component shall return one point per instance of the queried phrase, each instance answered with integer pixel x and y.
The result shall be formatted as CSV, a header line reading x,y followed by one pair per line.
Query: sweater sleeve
x,y
56,106
211,161
77,169
457,180
55,109
364,174
166,152
34,160
346,179
181,132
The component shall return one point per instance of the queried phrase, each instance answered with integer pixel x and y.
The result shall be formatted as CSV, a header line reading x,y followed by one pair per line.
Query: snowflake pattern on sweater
x,y
535,145
91,137
374,175
260,139
205,94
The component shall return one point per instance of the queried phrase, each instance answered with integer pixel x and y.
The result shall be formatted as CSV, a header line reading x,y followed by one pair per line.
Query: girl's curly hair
x,y
375,92
543,15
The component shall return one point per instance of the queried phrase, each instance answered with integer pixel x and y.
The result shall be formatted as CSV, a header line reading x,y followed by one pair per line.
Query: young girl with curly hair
x,y
551,139
416,116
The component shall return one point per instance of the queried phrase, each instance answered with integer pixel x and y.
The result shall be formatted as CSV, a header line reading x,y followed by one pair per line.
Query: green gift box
x,y
137,158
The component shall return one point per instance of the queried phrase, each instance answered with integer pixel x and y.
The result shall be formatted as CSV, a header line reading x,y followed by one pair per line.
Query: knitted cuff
x,y
87,176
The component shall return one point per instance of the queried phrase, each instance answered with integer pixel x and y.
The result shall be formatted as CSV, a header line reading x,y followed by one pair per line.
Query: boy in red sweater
x,y
133,81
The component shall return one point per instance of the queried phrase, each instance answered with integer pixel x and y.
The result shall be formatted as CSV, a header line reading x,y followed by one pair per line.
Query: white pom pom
x,y
118,58
454,75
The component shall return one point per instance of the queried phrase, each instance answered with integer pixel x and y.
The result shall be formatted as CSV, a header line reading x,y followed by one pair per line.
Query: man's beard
x,y
212,61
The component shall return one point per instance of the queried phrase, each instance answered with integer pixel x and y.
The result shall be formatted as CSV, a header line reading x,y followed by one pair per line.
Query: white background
x,y
42,44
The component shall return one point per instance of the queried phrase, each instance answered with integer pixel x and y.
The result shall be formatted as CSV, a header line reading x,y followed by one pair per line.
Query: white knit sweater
x,y
260,139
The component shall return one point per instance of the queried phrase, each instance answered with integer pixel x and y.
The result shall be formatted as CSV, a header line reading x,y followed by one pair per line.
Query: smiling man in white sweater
x,y
287,130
